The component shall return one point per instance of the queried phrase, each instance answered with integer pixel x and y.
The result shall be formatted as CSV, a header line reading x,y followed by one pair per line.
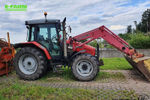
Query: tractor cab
x,y
47,33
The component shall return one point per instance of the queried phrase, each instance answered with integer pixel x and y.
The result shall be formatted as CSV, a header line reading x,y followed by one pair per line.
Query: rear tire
x,y
85,67
30,63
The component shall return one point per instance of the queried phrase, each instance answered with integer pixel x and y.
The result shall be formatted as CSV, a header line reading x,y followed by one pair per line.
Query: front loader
x,y
47,46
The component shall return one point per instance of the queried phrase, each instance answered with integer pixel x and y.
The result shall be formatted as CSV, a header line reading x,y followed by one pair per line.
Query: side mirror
x,y
69,29
27,27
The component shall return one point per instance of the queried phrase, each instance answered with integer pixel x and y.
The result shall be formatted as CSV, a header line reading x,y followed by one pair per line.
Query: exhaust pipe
x,y
64,38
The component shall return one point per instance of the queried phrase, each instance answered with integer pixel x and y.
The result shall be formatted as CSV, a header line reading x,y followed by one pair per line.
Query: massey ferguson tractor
x,y
48,46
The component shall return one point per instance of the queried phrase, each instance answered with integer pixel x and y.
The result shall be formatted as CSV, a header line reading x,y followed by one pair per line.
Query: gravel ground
x,y
133,81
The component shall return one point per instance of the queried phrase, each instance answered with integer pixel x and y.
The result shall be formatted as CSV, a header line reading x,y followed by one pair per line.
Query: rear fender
x,y
33,44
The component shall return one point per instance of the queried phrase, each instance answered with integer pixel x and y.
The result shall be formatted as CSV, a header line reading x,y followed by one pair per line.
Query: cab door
x,y
56,50
47,35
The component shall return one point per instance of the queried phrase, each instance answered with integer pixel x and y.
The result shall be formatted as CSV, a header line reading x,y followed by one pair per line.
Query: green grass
x,y
115,64
16,90
66,76
19,91
2,97
107,77
109,64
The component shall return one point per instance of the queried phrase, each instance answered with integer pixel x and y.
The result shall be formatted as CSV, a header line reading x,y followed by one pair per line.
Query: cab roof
x,y
42,21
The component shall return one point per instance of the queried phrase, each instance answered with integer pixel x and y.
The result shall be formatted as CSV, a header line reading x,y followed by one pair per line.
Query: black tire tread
x,y
90,58
41,63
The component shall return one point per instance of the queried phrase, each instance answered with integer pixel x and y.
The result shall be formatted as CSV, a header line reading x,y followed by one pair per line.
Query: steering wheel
x,y
52,45
49,42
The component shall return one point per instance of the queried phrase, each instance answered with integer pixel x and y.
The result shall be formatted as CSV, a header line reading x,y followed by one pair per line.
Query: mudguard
x,y
33,44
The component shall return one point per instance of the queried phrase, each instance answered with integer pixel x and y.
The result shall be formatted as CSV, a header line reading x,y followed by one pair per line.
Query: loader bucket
x,y
142,65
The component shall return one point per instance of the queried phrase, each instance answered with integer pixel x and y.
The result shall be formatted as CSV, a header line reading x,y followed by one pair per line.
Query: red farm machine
x,y
7,53
48,47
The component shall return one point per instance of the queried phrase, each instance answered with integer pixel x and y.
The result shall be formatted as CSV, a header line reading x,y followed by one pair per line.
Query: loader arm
x,y
109,36
139,62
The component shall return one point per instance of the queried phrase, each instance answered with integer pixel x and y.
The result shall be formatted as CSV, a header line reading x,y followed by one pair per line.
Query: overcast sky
x,y
82,15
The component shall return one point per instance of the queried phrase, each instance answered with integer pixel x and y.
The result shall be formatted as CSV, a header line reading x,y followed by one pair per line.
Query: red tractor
x,y
48,47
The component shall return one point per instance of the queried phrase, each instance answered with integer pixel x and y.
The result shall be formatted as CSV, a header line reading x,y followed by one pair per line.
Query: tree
x,y
129,29
146,19
135,23
144,25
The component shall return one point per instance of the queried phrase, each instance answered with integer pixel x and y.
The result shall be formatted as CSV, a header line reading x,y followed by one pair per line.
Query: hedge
x,y
140,41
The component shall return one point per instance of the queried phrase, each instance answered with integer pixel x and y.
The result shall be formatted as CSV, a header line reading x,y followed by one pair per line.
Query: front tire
x,y
30,63
85,67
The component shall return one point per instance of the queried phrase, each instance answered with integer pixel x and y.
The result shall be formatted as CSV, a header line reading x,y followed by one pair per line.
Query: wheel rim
x,y
27,64
84,68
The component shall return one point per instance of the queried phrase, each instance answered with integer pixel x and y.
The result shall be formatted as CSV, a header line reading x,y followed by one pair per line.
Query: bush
x,y
140,41
125,36
93,43
137,40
